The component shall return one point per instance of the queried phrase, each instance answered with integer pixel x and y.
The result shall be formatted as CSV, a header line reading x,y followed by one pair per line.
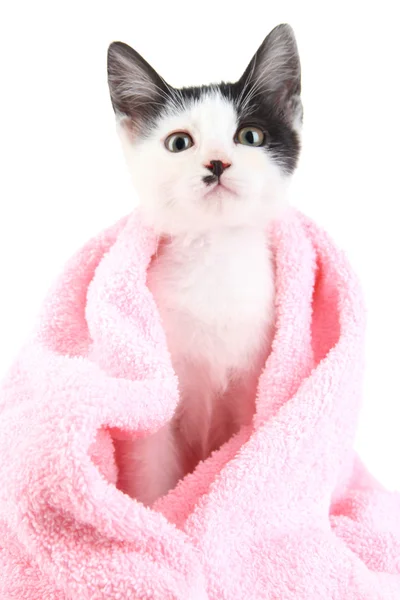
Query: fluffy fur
x,y
212,277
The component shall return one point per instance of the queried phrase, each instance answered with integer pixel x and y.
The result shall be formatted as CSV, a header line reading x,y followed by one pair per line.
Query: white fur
x,y
212,280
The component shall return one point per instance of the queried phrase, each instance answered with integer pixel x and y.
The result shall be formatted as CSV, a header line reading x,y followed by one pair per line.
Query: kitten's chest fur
x,y
215,295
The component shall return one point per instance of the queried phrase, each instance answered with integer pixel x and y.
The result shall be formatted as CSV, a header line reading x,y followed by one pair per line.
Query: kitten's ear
x,y
275,71
136,89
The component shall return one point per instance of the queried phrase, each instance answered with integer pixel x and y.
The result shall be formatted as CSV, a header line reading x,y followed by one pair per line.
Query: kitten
x,y
211,166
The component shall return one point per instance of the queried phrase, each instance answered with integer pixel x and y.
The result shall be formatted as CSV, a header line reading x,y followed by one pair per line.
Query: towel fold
x,y
284,510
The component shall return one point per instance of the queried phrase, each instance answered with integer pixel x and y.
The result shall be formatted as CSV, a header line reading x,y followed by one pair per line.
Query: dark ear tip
x,y
285,26
112,50
285,29
117,49
117,45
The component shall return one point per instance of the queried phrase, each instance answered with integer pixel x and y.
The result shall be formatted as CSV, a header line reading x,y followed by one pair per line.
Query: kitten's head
x,y
211,156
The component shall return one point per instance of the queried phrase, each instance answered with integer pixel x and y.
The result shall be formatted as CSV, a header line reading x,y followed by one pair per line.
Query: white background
x,y
63,177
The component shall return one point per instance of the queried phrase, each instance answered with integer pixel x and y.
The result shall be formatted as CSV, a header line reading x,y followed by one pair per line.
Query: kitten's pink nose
x,y
217,167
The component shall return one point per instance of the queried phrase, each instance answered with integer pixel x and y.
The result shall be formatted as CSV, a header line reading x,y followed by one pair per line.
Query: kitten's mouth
x,y
219,188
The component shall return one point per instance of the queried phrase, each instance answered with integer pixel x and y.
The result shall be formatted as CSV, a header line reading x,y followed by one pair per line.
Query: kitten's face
x,y
215,156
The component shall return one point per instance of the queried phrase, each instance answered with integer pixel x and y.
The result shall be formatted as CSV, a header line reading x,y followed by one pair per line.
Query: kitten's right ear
x,y
136,90
275,72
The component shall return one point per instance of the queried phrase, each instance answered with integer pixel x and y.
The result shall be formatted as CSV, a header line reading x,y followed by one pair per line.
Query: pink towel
x,y
284,510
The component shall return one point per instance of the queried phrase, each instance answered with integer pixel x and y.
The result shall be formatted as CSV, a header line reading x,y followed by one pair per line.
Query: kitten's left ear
x,y
136,90
275,71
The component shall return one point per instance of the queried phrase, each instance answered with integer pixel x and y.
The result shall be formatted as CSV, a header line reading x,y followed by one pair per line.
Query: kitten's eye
x,y
177,142
250,136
